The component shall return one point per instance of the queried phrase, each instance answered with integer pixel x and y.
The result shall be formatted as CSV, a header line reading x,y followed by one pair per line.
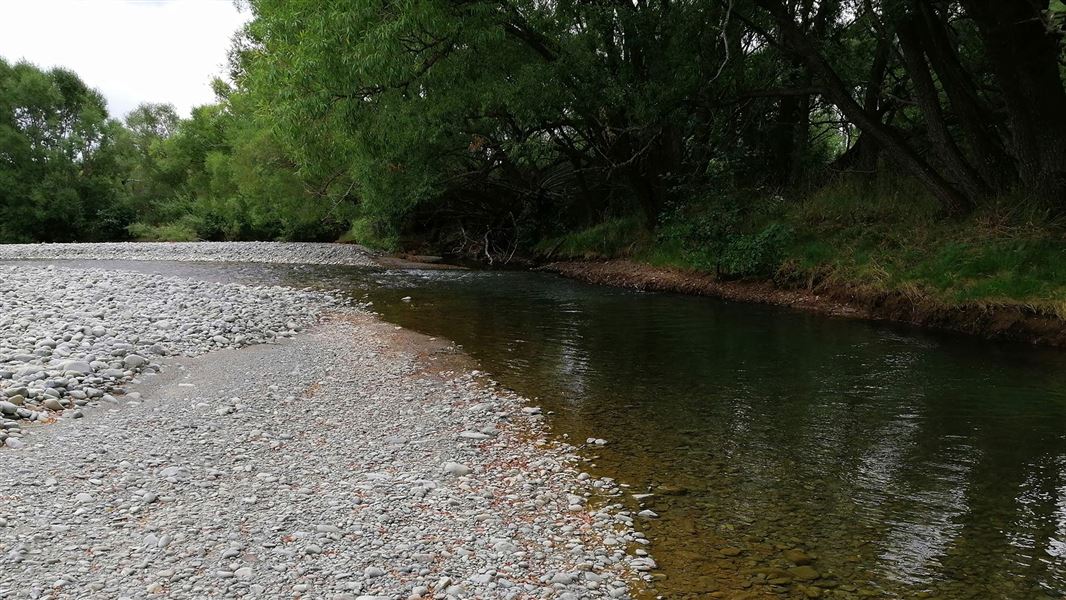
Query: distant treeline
x,y
486,126
68,172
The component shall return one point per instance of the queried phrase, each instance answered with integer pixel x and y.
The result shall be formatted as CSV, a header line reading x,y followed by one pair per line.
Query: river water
x,y
889,463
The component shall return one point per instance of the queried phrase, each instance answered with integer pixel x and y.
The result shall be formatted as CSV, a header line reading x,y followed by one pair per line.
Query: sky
x,y
132,51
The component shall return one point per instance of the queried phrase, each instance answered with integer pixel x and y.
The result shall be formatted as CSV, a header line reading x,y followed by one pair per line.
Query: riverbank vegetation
x,y
911,145
70,172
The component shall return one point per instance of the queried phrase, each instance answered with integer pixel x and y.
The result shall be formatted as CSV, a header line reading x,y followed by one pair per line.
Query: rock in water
x,y
804,573
798,557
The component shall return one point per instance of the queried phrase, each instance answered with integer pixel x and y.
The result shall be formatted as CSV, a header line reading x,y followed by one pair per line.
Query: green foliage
x,y
68,173
172,232
610,239
222,175
60,173
370,233
856,202
489,121
758,254
855,234
986,259
731,236
705,135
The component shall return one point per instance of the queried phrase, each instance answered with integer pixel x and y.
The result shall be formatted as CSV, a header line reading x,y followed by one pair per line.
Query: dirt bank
x,y
1006,322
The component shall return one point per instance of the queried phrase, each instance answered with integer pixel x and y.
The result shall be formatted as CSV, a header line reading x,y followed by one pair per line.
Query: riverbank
x,y
1013,322
307,253
344,459
851,248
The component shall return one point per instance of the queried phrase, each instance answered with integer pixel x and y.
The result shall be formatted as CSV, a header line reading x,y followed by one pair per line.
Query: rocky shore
x,y
268,252
69,338
176,438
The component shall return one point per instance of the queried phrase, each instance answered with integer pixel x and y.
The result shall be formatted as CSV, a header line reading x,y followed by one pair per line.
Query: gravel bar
x,y
264,252
214,440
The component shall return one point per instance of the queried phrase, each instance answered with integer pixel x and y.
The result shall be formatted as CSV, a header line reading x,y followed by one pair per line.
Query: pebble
x,y
99,326
328,464
266,252
454,468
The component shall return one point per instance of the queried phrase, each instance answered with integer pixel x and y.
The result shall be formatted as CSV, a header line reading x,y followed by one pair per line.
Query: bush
x,y
370,233
612,238
756,255
730,236
181,231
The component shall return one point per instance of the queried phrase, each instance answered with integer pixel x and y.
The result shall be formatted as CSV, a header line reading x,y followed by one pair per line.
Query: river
x,y
889,463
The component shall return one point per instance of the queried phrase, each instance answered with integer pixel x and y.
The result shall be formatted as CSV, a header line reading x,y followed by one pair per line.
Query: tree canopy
x,y
58,163
487,113
486,125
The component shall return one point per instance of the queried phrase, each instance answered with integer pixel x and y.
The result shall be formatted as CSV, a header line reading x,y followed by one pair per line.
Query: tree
x,y
489,117
985,78
150,123
59,173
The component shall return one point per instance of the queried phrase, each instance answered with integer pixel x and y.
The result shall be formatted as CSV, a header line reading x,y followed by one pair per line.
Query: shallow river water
x,y
889,463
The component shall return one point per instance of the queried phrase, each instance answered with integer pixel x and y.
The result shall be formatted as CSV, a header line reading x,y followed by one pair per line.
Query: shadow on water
x,y
789,455
898,464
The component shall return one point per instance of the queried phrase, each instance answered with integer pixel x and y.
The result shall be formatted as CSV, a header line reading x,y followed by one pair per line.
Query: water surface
x,y
902,464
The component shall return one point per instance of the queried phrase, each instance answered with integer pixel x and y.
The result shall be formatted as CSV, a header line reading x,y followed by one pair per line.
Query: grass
x,y
173,232
994,257
612,238
889,239
364,232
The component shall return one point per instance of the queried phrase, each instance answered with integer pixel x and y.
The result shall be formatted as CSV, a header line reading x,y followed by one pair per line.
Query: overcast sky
x,y
133,51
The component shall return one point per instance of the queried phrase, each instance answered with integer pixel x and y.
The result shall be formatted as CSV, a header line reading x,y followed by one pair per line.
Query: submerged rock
x,y
804,573
797,556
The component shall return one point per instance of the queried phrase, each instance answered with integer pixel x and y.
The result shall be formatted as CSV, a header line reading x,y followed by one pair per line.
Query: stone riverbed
x,y
168,437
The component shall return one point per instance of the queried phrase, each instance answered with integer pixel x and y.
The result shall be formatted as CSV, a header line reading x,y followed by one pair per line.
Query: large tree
x,y
968,99
59,174
481,113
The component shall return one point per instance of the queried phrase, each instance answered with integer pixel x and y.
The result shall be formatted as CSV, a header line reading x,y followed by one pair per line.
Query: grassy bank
x,y
851,237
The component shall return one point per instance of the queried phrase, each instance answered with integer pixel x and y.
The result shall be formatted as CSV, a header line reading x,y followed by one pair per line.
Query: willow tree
x,y
60,179
486,114
967,96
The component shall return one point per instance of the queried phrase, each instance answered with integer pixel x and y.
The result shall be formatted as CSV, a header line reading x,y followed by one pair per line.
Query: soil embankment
x,y
1005,322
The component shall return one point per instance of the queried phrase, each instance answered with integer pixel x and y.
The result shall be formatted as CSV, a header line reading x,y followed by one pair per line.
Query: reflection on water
x,y
789,455
901,464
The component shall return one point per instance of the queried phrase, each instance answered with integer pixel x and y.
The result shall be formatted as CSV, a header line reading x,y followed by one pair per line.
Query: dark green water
x,y
910,465
905,464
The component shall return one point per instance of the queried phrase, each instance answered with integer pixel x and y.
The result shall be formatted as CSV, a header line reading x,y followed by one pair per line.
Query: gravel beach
x,y
176,438
269,252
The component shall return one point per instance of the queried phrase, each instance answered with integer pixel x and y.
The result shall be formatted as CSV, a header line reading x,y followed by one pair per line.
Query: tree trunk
x,y
862,157
1024,56
975,118
951,200
800,134
964,175
783,138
